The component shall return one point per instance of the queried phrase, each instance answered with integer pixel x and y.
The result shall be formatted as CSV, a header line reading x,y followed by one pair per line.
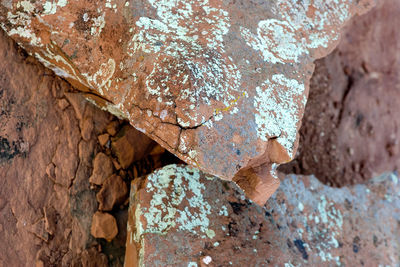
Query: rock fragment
x,y
102,169
104,226
130,145
113,192
103,139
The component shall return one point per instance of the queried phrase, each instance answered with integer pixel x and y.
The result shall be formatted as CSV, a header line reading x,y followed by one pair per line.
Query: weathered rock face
x,y
46,158
182,217
221,84
351,124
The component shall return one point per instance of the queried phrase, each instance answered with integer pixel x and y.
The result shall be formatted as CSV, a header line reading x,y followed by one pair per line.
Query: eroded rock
x,y
102,169
113,192
179,216
222,85
104,226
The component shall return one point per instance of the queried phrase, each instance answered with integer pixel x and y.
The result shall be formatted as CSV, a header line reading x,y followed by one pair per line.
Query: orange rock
x,y
102,168
62,103
124,151
103,139
112,128
113,192
130,145
104,226
216,99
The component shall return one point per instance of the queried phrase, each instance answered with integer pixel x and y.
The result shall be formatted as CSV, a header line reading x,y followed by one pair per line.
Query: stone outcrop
x,y
180,216
46,200
221,85
350,129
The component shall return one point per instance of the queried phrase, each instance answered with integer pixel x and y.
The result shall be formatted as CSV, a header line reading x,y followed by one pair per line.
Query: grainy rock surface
x,y
46,200
351,125
180,216
104,226
222,84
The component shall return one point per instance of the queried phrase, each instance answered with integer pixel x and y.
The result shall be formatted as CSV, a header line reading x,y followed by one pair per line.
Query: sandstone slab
x,y
220,84
180,216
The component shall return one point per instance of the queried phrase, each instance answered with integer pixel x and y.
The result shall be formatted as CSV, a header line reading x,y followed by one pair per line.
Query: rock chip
x,y
220,84
102,169
104,226
103,139
179,216
113,192
130,145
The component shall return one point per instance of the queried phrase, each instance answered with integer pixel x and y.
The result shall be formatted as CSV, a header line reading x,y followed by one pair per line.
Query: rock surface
x,y
46,200
102,169
104,226
113,192
221,84
351,124
180,216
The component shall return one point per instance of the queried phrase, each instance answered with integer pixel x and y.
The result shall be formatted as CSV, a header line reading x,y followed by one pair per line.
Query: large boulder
x,y
179,216
220,84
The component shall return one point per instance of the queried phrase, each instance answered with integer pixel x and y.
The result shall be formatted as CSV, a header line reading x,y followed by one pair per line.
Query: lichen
x,y
278,103
168,188
188,58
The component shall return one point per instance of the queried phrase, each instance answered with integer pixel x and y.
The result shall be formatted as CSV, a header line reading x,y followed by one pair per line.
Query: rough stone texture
x,y
182,217
351,123
129,145
45,201
113,192
104,226
222,84
102,169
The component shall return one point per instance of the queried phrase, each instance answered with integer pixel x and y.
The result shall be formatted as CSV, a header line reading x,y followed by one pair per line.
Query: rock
x,y
87,128
103,139
179,216
62,103
92,258
104,226
130,145
112,128
102,169
113,192
220,84
350,126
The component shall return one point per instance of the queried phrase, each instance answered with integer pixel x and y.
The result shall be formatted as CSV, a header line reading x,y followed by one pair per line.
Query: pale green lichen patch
x,y
176,202
190,55
278,103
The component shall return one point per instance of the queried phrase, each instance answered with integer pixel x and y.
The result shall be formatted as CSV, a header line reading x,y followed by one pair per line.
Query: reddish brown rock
x,y
220,84
46,205
130,145
92,258
102,169
113,192
351,125
104,226
112,128
103,139
179,216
